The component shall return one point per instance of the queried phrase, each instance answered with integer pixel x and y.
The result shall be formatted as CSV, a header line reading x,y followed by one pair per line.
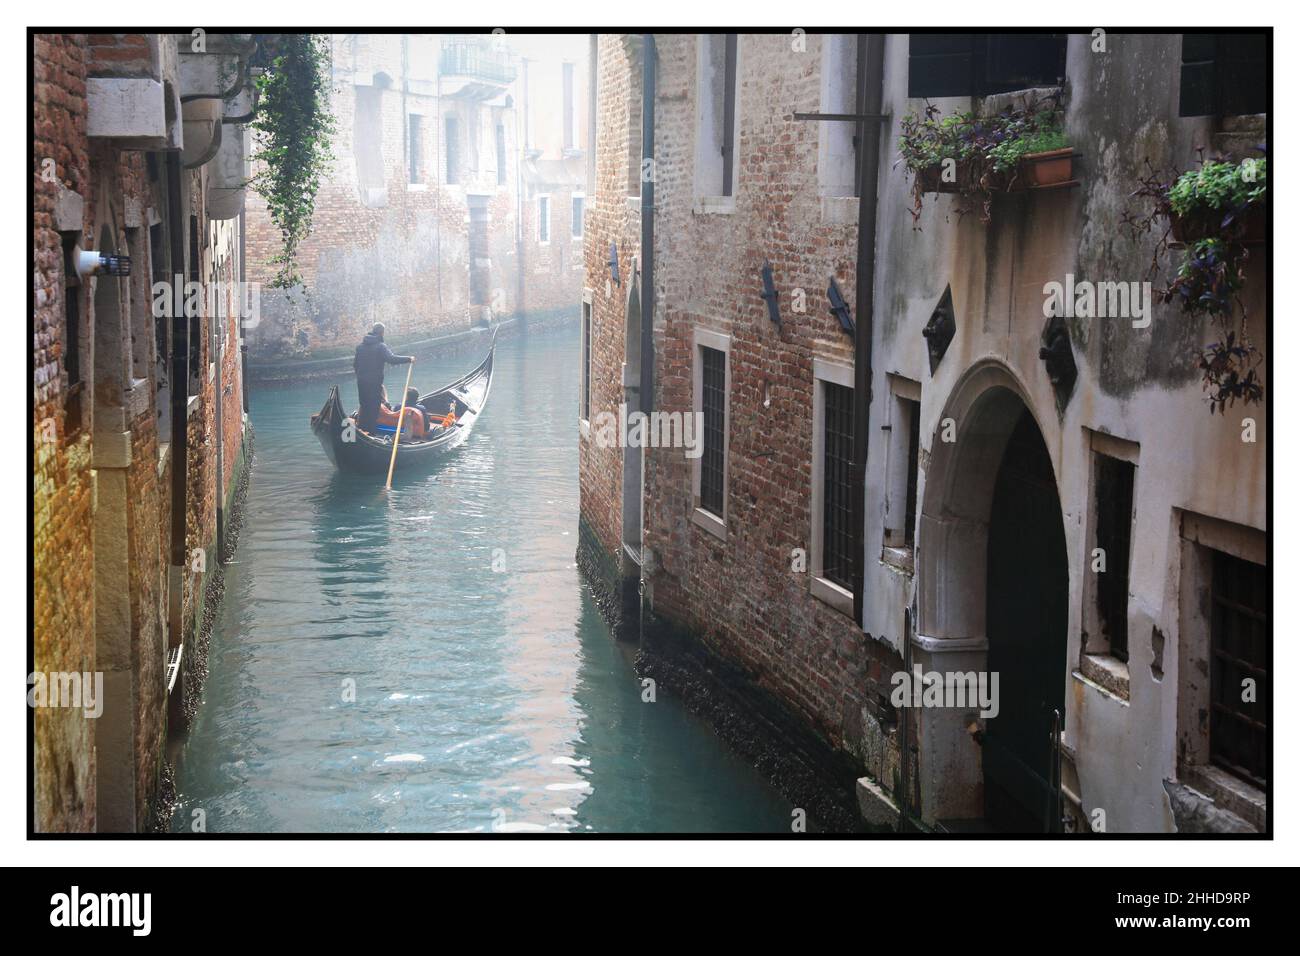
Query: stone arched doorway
x,y
992,599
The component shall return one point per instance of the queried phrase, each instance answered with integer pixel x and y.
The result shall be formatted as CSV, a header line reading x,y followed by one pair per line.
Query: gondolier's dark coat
x,y
372,355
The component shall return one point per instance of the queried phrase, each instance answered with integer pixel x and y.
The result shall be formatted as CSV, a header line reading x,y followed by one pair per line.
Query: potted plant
x,y
1214,212
975,156
1220,198
1038,160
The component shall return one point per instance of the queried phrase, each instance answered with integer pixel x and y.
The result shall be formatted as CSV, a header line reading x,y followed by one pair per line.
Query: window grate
x,y
714,367
1114,484
586,362
913,464
452,147
1239,649
837,499
414,151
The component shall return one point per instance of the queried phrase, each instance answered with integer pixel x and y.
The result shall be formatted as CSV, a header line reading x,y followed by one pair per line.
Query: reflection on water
x,y
428,659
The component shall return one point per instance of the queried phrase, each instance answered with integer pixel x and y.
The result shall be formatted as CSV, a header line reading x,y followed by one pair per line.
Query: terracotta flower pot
x,y
1208,224
1051,168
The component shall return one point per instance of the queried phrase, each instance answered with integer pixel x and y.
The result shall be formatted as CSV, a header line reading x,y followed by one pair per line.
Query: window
x,y
138,303
1224,648
480,251
837,469
543,219
903,453
577,217
569,117
837,158
72,398
1224,74
978,64
1239,657
453,150
368,143
711,387
715,158
415,149
501,154
584,395
162,325
713,362
1113,502
834,546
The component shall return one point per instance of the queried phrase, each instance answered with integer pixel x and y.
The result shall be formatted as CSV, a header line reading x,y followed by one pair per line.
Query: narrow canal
x,y
484,699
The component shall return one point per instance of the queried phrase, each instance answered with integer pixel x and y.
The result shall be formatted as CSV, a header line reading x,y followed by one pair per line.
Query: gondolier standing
x,y
372,355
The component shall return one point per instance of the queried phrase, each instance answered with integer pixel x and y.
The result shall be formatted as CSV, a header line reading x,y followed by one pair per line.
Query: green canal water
x,y
485,700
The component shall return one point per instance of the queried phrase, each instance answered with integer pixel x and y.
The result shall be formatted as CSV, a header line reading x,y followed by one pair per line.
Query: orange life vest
x,y
413,426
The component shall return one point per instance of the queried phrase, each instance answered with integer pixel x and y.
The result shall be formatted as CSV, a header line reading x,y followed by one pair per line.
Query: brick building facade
x,y
987,479
429,218
121,168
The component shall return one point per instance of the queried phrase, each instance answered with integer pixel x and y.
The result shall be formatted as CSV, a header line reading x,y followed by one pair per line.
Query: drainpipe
x,y
871,75
870,94
647,371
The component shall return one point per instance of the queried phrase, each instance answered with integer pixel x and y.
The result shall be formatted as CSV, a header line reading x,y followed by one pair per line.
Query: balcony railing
x,y
476,57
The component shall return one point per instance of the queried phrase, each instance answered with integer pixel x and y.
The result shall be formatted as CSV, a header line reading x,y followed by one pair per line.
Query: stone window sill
x,y
722,205
1109,672
710,523
830,593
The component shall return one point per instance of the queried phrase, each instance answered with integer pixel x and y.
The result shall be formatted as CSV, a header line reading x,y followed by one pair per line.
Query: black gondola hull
x,y
359,452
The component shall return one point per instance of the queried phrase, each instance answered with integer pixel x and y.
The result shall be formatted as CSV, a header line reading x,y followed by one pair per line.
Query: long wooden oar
x,y
397,435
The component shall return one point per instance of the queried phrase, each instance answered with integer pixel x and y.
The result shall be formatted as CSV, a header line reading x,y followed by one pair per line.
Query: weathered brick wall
x,y
112,189
741,594
610,219
64,584
405,263
120,54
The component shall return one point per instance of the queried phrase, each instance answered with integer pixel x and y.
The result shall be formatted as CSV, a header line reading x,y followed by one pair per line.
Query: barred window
x,y
544,219
714,367
1239,651
1114,490
837,507
414,152
584,412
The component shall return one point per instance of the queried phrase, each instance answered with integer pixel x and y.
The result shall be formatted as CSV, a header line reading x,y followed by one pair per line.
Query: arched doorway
x,y
1027,596
992,592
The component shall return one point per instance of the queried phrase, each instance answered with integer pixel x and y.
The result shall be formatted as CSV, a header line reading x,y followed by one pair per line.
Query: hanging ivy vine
x,y
294,127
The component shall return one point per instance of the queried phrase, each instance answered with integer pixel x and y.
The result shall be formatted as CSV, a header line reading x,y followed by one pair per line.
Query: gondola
x,y
354,450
